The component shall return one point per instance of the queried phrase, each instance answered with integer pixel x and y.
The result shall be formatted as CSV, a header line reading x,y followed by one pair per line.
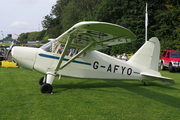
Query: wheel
x,y
171,69
46,88
162,66
41,80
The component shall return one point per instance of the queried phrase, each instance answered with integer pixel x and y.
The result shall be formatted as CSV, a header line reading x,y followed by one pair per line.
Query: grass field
x,y
6,44
79,99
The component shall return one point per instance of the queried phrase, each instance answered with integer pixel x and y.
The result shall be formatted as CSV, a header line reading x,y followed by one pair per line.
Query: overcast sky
x,y
21,16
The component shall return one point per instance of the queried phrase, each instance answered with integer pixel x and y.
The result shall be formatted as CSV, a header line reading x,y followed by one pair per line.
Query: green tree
x,y
33,36
167,26
24,37
164,18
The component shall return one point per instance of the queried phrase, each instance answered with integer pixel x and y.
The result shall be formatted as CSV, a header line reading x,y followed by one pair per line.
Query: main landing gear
x,y
46,83
42,81
144,83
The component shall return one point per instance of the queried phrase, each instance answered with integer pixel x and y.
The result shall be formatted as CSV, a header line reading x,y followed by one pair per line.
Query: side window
x,y
168,55
175,54
69,52
164,54
82,55
55,44
60,49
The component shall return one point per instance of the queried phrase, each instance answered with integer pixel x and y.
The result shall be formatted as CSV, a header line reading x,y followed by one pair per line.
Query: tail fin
x,y
148,57
148,54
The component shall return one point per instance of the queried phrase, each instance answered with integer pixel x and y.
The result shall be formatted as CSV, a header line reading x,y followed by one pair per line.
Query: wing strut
x,y
111,39
64,52
77,55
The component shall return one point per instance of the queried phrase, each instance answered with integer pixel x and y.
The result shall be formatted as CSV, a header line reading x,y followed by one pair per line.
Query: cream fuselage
x,y
93,65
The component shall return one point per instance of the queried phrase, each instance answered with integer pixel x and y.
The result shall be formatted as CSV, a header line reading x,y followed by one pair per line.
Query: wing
x,y
90,36
102,33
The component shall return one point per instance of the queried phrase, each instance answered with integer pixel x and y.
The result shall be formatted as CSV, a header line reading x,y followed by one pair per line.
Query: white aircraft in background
x,y
74,54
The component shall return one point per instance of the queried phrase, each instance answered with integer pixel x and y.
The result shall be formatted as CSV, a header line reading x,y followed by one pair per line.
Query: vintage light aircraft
x,y
74,54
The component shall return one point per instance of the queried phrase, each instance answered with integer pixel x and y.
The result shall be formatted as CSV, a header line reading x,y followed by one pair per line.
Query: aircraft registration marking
x,y
113,68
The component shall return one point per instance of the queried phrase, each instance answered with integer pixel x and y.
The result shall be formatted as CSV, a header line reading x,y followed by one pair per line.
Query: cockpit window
x,y
50,46
55,47
47,47
60,50
69,52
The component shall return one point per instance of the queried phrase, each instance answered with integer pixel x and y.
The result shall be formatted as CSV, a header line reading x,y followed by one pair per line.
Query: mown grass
x,y
82,99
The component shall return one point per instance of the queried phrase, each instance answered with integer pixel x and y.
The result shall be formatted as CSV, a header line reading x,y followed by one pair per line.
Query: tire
x,y
46,88
162,66
171,69
41,81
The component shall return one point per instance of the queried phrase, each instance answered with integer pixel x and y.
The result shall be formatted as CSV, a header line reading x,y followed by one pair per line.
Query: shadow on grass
x,y
136,88
159,97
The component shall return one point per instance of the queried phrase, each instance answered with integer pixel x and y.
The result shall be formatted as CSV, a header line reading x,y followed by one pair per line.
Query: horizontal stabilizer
x,y
160,78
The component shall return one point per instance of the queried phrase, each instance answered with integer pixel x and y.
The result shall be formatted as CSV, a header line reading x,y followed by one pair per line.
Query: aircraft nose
x,y
24,56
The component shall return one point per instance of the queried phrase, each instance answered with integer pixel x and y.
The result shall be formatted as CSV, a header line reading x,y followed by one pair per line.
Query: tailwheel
x,y
144,83
41,81
46,88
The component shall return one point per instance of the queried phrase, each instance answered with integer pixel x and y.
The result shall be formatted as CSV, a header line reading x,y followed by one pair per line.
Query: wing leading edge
x,y
102,33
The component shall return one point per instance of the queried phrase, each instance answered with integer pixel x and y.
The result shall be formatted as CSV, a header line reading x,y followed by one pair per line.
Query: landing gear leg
x,y
144,83
47,87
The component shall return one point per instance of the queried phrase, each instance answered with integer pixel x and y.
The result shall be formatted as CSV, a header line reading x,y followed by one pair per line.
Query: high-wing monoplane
x,y
74,54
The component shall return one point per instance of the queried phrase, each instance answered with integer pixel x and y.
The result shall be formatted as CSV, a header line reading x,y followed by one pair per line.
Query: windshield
x,y
175,54
50,46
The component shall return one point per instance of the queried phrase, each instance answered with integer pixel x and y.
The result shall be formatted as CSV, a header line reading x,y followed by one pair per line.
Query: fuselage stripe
x,y
65,59
136,72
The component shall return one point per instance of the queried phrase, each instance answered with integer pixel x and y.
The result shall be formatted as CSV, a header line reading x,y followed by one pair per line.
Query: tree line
x,y
163,15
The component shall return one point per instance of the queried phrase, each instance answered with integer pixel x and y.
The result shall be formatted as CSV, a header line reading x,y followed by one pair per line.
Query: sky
x,y
22,16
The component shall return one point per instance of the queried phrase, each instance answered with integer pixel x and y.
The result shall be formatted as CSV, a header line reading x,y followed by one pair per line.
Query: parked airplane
x,y
74,54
